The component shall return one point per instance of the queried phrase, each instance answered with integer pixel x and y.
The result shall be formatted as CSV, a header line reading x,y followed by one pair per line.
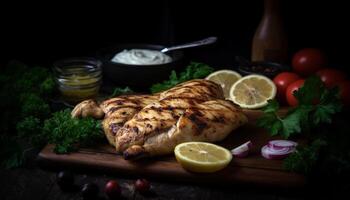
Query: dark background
x,y
49,31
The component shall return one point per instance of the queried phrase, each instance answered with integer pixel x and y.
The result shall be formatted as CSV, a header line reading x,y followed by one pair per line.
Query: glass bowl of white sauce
x,y
139,65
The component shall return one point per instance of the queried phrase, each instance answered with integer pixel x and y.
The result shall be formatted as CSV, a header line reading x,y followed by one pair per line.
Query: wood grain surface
x,y
254,169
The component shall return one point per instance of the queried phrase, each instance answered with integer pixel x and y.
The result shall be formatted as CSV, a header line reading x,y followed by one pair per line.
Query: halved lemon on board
x,y
225,78
253,91
202,156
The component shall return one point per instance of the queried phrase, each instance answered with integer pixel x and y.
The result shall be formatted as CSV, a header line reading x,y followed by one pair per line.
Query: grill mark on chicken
x,y
161,109
115,127
233,109
191,90
203,89
175,116
113,109
200,124
219,119
122,99
135,129
194,88
190,100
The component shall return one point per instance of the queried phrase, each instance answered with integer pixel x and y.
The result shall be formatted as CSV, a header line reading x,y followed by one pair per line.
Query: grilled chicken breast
x,y
120,109
149,125
160,126
210,121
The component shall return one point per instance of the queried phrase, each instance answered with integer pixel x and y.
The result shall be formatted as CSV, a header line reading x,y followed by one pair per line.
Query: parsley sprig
x,y
317,105
193,71
68,134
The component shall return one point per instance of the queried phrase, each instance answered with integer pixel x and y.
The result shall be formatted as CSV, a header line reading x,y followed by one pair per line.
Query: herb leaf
x,y
310,92
120,91
305,158
307,114
193,71
11,153
68,133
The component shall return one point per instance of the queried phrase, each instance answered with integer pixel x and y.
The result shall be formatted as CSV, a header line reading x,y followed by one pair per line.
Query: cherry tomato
x,y
292,101
112,189
308,61
344,90
142,185
282,81
331,77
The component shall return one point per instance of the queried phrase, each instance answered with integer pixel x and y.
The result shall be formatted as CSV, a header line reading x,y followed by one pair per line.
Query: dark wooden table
x,y
34,182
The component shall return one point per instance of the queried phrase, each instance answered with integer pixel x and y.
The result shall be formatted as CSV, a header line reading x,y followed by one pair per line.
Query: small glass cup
x,y
78,79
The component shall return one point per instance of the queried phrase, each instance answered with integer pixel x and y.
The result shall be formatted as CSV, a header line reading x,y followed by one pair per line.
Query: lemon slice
x,y
202,156
252,91
225,78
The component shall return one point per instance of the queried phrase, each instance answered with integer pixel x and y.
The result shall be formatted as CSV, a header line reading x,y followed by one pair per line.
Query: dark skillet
x,y
269,69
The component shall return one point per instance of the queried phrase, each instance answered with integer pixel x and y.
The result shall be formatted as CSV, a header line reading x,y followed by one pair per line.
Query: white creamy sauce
x,y
141,57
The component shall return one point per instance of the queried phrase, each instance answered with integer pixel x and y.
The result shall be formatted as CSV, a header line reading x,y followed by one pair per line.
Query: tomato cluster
x,y
307,62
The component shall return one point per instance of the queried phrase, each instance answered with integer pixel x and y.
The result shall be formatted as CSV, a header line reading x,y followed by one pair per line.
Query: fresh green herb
x,y
305,158
19,94
68,134
34,105
23,104
11,153
120,91
307,114
31,80
48,87
317,106
193,71
31,128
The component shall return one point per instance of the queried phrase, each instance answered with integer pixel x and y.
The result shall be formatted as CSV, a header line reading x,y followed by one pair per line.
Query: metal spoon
x,y
205,41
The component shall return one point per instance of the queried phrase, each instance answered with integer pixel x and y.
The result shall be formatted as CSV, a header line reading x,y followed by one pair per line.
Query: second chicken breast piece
x,y
196,89
120,109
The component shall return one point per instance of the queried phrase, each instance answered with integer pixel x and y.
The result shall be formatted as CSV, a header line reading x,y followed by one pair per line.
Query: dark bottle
x,y
270,39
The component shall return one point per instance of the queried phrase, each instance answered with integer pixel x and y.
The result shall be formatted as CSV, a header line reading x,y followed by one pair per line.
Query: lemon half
x,y
202,156
225,78
253,91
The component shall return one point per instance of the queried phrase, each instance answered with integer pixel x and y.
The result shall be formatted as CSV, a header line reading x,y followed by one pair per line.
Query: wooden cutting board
x,y
251,170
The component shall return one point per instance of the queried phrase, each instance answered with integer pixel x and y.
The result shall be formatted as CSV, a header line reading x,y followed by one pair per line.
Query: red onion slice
x,y
280,144
242,150
271,153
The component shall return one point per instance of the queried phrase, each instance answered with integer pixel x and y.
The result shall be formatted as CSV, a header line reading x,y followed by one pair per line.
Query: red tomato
x,y
292,101
308,61
344,89
112,189
331,77
142,185
282,81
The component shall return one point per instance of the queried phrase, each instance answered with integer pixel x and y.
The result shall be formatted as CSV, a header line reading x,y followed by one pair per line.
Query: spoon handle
x,y
205,41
